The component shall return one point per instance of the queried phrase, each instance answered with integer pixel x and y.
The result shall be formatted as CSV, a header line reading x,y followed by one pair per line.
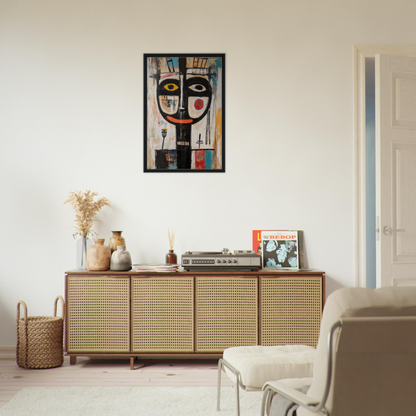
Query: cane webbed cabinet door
x,y
226,312
162,314
291,309
98,314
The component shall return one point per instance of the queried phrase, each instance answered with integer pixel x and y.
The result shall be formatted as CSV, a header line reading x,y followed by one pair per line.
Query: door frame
x,y
360,53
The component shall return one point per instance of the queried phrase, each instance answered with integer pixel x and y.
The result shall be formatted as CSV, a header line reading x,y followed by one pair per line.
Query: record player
x,y
240,260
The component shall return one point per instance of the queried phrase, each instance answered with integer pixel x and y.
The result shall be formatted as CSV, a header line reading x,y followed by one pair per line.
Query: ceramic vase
x,y
121,259
171,258
116,240
82,246
98,256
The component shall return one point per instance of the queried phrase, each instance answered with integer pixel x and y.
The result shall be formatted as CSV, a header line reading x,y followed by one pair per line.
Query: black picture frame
x,y
184,112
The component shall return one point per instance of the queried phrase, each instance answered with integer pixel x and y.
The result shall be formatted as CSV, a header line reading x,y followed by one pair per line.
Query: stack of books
x,y
155,267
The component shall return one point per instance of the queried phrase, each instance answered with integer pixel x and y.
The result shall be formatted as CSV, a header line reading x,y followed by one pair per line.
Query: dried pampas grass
x,y
85,210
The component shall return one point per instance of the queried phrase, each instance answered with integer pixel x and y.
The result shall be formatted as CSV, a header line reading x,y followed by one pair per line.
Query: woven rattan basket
x,y
40,338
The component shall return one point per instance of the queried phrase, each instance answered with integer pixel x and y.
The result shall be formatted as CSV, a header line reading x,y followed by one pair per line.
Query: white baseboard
x,y
7,352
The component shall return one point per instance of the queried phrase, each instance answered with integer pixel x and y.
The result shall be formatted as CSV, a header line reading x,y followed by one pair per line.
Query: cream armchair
x,y
365,362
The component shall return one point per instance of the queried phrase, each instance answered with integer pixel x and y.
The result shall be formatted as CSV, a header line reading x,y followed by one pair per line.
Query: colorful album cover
x,y
257,241
279,248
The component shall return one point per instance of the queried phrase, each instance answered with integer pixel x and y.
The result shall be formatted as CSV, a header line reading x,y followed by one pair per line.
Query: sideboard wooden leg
x,y
72,359
131,363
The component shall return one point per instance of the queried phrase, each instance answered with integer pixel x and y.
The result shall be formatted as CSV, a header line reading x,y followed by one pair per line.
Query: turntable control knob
x,y
225,250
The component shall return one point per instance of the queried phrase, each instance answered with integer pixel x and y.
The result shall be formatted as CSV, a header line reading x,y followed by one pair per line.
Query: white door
x,y
396,170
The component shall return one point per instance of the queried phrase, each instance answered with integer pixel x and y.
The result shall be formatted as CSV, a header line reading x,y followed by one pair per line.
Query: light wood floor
x,y
109,372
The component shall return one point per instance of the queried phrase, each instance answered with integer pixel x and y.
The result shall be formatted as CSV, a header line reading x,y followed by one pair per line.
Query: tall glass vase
x,y
81,252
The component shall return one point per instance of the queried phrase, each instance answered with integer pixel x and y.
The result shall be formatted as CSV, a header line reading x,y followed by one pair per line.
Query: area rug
x,y
130,401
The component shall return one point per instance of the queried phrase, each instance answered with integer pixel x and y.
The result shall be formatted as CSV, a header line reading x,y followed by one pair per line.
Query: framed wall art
x,y
184,112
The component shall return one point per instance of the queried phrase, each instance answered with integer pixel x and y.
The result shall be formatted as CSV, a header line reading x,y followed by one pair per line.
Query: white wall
x,y
71,118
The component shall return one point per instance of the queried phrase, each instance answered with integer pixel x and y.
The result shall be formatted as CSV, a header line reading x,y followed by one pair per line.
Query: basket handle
x,y
21,302
56,305
24,340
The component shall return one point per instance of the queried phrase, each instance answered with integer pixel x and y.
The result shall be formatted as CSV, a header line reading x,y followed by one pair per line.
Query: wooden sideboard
x,y
189,313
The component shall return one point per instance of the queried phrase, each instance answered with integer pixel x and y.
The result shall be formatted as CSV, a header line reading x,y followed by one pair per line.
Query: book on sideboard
x,y
155,267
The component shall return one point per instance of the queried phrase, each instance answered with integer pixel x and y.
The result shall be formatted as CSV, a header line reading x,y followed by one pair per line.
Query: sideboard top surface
x,y
262,272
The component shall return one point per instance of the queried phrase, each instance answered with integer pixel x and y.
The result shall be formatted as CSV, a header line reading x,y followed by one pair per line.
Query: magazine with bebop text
x,y
279,248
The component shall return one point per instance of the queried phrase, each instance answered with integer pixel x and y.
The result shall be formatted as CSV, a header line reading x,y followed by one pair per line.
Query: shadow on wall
x,y
7,325
331,285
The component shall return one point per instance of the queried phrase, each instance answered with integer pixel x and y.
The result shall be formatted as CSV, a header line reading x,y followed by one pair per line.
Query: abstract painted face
x,y
183,101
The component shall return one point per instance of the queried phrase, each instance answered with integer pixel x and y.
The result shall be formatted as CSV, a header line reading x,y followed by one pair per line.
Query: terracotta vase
x,y
98,256
121,259
171,258
116,240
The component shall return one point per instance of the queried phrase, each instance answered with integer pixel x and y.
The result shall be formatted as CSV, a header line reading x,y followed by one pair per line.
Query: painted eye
x,y
197,88
171,87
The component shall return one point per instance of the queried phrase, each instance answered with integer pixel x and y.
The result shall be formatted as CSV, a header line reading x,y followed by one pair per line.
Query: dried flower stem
x,y
85,210
171,236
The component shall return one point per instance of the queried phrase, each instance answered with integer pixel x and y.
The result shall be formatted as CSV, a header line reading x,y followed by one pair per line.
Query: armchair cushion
x,y
258,364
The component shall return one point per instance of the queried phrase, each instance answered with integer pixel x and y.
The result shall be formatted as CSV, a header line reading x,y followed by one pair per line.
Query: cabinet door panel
x,y
162,314
98,314
226,312
291,309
